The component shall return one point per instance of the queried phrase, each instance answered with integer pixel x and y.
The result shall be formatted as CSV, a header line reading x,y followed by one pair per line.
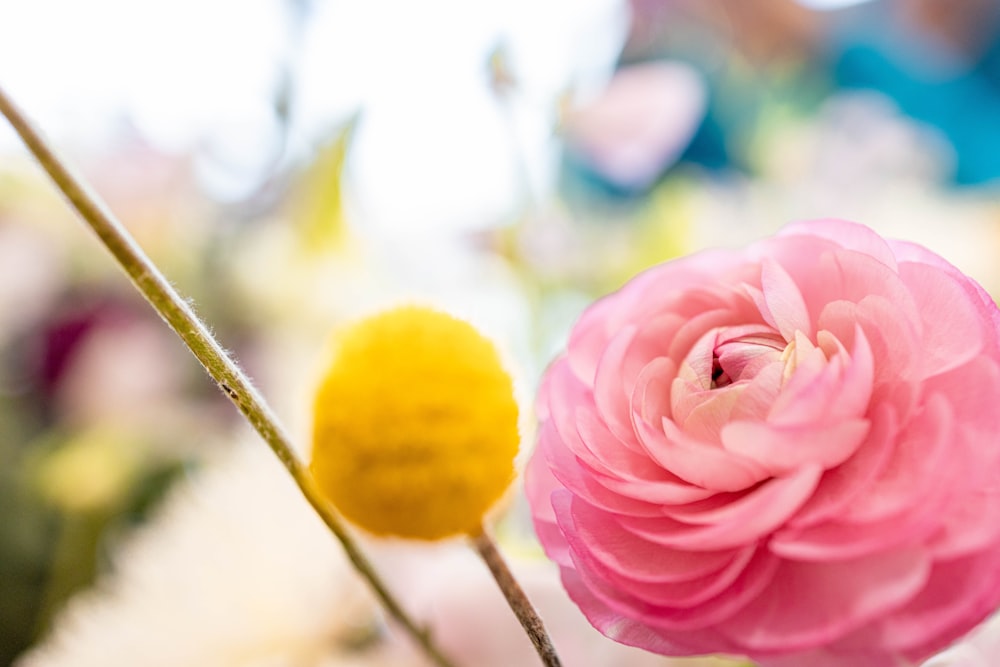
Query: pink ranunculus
x,y
789,452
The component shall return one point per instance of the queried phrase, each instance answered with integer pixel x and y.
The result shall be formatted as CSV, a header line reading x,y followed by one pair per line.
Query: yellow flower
x,y
415,427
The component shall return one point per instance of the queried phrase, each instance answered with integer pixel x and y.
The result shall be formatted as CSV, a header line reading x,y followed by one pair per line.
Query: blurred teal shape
x,y
950,80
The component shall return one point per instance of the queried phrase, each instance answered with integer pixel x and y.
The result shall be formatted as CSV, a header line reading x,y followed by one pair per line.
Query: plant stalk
x,y
516,598
179,315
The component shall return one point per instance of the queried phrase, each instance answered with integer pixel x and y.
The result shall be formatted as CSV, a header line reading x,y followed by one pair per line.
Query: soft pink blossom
x,y
640,123
789,452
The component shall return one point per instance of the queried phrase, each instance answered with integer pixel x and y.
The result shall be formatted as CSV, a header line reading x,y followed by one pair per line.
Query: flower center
x,y
718,370
739,357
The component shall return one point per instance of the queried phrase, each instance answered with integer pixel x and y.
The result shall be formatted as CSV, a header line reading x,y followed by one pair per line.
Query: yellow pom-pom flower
x,y
415,428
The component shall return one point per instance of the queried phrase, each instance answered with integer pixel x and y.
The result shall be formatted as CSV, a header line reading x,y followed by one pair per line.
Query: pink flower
x,y
640,123
789,452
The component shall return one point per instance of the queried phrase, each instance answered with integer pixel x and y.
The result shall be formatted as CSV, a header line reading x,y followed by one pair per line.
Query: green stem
x,y
518,601
220,366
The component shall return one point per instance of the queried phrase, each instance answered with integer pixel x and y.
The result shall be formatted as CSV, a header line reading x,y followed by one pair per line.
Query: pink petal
x,y
583,464
751,581
839,389
651,341
608,456
738,523
759,395
743,351
971,526
698,512
846,234
912,252
561,427
801,258
840,485
564,392
840,318
625,630
696,368
785,448
658,493
817,603
590,335
892,337
693,286
597,534
952,325
836,541
675,595
825,272
706,420
919,458
685,396
700,463
651,397
539,486
852,276
855,390
784,301
653,492
609,389
958,594
808,394
973,392
574,475
699,325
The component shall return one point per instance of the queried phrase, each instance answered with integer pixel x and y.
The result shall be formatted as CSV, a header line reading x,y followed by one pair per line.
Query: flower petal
x,y
574,475
786,448
697,462
598,534
628,631
741,522
846,234
955,598
952,326
841,484
609,387
784,301
842,596
919,457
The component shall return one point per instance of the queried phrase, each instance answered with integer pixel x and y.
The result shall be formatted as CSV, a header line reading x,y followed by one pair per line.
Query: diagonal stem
x,y
220,366
518,601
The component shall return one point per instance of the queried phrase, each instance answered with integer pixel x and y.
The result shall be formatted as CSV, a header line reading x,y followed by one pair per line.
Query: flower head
x,y
788,452
416,427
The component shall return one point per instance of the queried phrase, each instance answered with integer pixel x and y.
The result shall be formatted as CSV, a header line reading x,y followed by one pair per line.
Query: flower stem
x,y
516,598
179,315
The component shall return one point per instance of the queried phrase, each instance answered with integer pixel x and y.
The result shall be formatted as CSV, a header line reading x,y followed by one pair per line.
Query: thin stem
x,y
220,366
518,601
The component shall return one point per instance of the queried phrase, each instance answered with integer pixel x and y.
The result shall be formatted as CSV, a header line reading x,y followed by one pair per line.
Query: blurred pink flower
x,y
788,452
640,123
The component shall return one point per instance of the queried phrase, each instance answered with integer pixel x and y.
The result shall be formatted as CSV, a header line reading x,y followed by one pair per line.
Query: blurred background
x,y
291,164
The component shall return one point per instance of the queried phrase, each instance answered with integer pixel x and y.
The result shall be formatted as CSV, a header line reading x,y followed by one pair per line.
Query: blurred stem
x,y
179,315
518,601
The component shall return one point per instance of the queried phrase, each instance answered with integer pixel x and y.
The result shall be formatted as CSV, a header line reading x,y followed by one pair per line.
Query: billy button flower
x,y
416,427
415,433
